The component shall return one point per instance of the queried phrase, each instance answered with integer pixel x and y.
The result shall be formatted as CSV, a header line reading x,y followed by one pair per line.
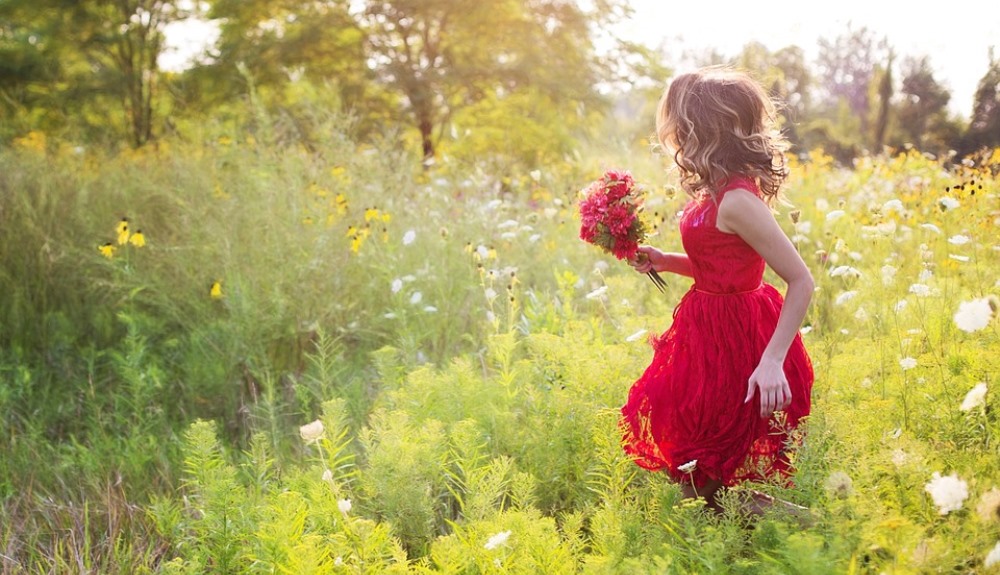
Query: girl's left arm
x,y
743,213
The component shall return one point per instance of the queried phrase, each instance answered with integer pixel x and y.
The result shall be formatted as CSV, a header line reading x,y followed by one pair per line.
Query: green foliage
x,y
466,356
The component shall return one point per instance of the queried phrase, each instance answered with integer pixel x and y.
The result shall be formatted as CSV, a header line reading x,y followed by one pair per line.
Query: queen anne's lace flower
x,y
989,506
497,540
311,432
973,315
948,492
975,398
993,557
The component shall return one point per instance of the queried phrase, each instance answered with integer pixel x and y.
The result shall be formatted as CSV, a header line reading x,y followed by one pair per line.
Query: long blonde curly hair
x,y
719,122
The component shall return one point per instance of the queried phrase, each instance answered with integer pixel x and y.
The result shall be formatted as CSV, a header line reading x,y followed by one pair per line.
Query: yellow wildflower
x,y
308,221
122,230
386,217
215,292
337,171
351,231
341,201
371,214
107,250
356,242
138,240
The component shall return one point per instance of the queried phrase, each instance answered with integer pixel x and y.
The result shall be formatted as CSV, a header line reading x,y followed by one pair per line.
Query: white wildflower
x,y
975,398
600,266
482,251
834,215
959,258
861,314
920,290
893,205
508,236
907,363
839,485
494,204
925,275
900,305
846,271
344,505
804,227
338,561
931,227
535,175
311,432
688,467
845,297
430,309
989,505
635,336
416,298
948,203
534,238
856,256
507,224
900,458
327,475
497,540
993,557
490,294
888,274
948,492
597,293
409,237
806,329
958,240
973,315
397,284
822,204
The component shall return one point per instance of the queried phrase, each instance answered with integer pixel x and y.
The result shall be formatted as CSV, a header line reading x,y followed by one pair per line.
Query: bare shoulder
x,y
740,209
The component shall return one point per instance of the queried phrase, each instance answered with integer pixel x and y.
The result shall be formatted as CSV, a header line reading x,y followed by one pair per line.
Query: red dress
x,y
689,403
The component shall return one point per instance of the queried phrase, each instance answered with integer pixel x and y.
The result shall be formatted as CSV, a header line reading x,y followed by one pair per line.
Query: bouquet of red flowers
x,y
610,210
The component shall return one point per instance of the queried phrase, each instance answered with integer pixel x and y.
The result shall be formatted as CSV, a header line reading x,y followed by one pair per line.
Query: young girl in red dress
x,y
730,379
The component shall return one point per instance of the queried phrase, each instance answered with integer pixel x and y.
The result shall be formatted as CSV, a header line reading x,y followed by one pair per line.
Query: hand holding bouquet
x,y
610,210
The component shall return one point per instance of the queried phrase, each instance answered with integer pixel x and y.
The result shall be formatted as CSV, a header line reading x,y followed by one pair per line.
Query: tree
x,y
90,48
847,66
885,91
922,113
984,127
443,55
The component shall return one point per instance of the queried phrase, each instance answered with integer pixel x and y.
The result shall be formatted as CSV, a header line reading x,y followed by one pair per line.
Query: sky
x,y
955,35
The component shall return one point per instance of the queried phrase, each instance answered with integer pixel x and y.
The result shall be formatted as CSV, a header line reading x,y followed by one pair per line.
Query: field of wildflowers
x,y
252,357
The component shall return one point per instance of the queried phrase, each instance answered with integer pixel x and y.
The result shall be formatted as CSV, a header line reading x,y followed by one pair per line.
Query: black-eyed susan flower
x,y
371,214
107,250
215,292
341,203
122,231
138,240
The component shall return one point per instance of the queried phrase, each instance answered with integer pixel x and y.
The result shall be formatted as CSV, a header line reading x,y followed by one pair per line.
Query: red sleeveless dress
x,y
689,405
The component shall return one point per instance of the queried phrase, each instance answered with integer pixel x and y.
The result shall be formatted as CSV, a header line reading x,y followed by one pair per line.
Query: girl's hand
x,y
648,259
769,378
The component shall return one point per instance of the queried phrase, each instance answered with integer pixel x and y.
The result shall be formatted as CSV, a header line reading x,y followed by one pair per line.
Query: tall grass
x,y
466,354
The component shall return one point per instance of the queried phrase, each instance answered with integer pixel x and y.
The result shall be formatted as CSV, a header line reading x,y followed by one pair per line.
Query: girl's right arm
x,y
652,259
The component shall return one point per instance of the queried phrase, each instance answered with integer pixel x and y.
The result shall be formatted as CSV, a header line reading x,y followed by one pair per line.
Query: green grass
x,y
467,355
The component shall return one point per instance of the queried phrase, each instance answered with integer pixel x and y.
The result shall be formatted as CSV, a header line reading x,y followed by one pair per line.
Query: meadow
x,y
240,354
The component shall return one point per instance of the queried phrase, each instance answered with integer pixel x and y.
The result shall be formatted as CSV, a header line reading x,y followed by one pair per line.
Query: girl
x,y
730,379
